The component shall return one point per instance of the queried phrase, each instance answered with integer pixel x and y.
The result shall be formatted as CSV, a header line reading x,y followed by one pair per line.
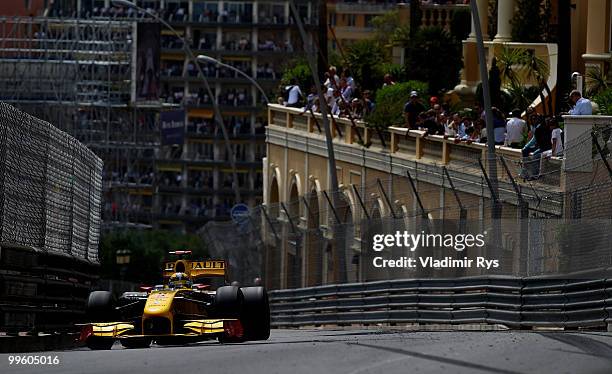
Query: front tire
x,y
101,306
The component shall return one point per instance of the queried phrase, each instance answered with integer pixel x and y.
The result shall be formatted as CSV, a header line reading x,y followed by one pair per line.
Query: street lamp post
x,y
123,260
491,157
205,58
311,53
216,110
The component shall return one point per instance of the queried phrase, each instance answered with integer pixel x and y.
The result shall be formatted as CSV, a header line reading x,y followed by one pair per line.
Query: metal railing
x,y
512,301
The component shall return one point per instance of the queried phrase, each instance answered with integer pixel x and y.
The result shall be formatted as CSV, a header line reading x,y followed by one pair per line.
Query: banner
x,y
147,62
172,127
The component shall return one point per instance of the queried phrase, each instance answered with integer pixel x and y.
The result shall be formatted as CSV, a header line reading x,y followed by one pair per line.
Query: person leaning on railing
x,y
581,105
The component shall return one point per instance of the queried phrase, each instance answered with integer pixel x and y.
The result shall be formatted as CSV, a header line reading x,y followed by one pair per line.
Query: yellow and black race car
x,y
193,304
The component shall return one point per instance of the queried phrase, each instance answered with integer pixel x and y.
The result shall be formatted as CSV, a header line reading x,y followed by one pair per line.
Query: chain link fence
x,y
541,216
50,188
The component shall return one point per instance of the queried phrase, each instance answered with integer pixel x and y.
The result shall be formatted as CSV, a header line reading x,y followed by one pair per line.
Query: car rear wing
x,y
195,269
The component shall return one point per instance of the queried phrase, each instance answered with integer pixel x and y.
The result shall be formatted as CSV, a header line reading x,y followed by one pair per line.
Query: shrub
x,y
604,100
390,100
397,71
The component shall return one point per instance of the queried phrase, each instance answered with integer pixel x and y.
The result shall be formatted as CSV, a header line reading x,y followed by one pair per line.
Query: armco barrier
x,y
511,301
42,291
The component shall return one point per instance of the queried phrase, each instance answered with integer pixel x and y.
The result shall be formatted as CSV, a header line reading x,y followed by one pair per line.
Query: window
x,y
351,19
332,19
237,13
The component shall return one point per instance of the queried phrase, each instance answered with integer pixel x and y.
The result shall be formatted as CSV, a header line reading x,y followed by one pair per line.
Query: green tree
x,y
299,70
390,102
517,68
148,249
365,58
435,56
461,24
531,21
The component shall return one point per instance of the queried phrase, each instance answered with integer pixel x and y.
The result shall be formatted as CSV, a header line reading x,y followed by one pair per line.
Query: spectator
x,y
537,122
455,127
433,101
368,104
356,109
311,102
346,90
388,80
346,74
429,123
516,128
556,142
541,141
499,126
412,109
582,106
336,80
472,133
293,94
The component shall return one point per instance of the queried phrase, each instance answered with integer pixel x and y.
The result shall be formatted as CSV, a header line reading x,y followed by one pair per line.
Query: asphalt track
x,y
354,351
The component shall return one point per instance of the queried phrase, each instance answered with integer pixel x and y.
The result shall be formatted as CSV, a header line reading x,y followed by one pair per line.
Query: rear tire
x,y
256,313
97,343
135,342
101,306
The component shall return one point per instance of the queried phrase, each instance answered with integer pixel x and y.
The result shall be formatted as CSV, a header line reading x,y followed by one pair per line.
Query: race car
x,y
194,303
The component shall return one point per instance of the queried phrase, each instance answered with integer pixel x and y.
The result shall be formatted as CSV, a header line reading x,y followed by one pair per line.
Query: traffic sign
x,y
239,213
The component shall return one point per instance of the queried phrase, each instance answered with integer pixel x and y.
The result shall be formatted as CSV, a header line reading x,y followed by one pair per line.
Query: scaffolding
x,y
77,74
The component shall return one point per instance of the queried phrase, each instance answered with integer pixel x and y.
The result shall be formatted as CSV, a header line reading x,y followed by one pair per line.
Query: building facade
x,y
404,181
587,28
75,64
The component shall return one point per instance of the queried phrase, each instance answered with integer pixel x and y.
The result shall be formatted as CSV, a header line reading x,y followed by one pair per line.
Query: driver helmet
x,y
179,280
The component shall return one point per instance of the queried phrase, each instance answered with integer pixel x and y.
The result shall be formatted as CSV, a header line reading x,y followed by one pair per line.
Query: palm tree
x,y
537,69
595,80
514,64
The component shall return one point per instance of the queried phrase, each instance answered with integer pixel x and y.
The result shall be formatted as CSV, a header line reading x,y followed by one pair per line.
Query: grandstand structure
x,y
75,64
76,74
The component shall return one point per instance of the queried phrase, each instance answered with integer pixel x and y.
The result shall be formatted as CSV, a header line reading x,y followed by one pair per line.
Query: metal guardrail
x,y
42,291
512,301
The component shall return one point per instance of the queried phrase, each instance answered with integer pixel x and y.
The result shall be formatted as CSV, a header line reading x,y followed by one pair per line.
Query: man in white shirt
x,y
515,130
293,99
557,144
582,106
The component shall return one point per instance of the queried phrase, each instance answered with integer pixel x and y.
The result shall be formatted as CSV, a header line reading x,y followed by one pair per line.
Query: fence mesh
x,y
50,187
547,216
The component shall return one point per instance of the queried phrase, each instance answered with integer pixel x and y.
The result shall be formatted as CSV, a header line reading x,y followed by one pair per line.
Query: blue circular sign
x,y
239,213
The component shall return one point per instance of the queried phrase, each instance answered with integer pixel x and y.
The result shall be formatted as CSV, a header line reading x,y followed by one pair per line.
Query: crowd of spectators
x,y
178,12
538,137
343,96
234,97
268,44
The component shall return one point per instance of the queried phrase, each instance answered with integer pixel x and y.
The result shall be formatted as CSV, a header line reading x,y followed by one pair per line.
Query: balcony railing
x,y
440,14
409,146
